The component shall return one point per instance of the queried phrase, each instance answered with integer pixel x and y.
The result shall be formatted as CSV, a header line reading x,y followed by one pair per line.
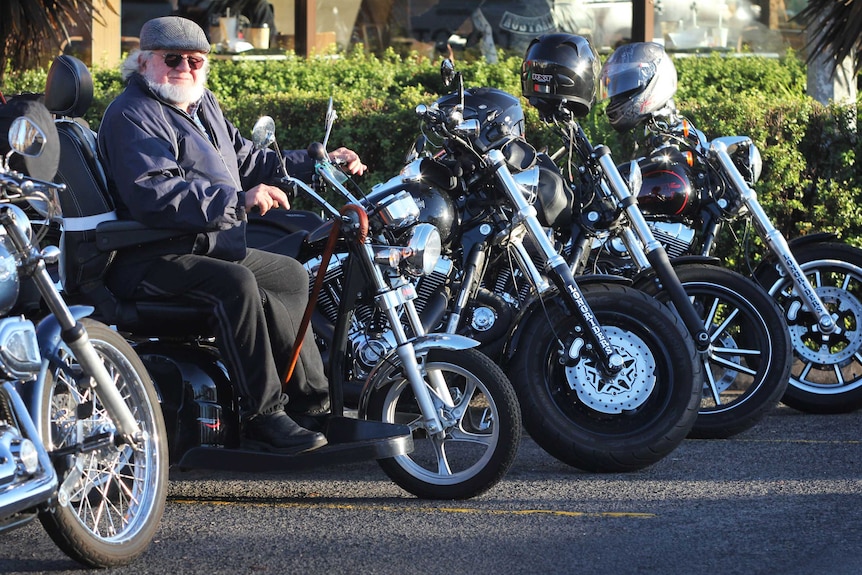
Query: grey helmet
x,y
639,79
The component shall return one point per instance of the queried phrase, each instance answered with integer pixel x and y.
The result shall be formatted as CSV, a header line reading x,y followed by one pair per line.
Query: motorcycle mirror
x,y
263,132
26,137
263,136
635,179
331,116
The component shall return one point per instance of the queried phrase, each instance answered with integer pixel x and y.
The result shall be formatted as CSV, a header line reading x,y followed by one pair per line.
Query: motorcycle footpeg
x,y
91,443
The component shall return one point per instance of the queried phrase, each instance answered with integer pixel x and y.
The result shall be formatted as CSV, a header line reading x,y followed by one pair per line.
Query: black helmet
x,y
560,70
639,79
499,113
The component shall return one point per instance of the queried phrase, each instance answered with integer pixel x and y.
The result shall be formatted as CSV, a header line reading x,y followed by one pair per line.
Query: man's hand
x,y
349,159
265,197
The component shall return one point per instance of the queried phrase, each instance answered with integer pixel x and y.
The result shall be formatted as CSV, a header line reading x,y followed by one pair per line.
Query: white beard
x,y
177,94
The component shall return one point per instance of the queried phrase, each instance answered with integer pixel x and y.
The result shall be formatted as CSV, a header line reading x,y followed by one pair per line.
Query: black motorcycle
x,y
440,417
748,357
605,374
83,445
694,188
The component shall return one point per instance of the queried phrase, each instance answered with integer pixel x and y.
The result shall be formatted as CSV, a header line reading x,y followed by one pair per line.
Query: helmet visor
x,y
622,78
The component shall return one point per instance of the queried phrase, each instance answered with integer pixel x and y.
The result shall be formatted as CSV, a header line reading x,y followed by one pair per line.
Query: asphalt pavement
x,y
782,498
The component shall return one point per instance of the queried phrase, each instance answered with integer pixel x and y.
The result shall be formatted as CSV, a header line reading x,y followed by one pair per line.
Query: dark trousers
x,y
257,306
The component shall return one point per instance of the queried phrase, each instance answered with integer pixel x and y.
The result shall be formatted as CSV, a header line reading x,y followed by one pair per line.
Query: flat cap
x,y
173,33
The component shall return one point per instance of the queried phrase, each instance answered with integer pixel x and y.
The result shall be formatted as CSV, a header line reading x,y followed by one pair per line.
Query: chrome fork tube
x,y
775,240
555,264
653,250
389,300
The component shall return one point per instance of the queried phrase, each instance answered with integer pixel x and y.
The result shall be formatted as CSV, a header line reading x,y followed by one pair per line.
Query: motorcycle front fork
x,y
556,267
75,336
391,301
776,242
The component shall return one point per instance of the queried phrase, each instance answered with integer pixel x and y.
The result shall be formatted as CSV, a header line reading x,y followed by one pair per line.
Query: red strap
x,y
318,283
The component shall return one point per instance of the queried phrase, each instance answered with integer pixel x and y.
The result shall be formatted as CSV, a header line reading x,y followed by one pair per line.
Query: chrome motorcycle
x,y
82,439
693,188
748,357
459,405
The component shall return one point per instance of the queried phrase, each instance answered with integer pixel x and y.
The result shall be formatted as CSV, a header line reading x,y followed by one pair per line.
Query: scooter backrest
x,y
86,201
69,88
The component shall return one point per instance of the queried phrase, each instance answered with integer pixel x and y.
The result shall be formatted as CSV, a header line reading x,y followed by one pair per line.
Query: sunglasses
x,y
174,60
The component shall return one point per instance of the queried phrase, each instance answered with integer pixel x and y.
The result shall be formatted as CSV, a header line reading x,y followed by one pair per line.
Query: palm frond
x,y
32,31
834,30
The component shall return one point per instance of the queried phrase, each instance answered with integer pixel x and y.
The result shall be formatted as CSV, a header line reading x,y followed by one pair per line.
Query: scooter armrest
x,y
119,234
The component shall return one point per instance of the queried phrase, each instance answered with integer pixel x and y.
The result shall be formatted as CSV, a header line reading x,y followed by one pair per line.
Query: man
x,y
173,161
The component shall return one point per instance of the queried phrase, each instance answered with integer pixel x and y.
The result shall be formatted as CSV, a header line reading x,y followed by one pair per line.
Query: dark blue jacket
x,y
166,172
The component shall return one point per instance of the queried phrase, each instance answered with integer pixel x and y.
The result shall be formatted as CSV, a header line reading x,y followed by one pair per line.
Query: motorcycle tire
x,y
826,376
747,365
588,421
482,432
114,508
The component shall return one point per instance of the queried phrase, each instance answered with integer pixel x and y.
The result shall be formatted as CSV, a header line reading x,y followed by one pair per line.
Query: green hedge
x,y
811,180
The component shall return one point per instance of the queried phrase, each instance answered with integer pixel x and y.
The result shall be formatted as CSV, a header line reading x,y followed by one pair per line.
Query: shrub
x,y
811,179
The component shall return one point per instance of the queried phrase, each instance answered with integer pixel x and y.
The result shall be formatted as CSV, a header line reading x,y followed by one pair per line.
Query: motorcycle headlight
x,y
745,156
9,282
19,349
422,251
528,183
635,179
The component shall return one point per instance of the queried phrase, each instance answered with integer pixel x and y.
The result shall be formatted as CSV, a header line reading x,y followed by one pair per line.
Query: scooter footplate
x,y
350,440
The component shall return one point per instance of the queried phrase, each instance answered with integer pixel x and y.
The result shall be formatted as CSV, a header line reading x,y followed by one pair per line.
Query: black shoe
x,y
277,432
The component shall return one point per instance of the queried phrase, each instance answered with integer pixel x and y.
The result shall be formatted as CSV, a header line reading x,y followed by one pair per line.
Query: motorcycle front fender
x,y
422,346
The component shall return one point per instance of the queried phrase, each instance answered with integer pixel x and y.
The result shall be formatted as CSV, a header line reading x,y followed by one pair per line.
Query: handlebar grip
x,y
317,152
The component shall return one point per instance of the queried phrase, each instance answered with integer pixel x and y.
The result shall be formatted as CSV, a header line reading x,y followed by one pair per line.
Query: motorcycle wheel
x,y
826,376
115,506
602,424
483,429
748,362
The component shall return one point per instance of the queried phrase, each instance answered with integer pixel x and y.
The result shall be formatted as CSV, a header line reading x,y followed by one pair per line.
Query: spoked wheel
x,y
112,494
608,422
747,365
482,427
826,376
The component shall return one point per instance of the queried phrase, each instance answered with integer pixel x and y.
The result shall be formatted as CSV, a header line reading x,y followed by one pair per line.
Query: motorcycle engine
x,y
676,238
370,336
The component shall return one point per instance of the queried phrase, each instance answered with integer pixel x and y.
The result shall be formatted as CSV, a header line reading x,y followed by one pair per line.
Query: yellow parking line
x,y
393,508
812,441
